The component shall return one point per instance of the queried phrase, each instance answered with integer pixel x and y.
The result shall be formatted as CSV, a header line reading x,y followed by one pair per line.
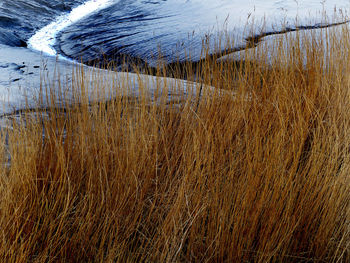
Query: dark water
x,y
138,28
19,19
126,27
142,29
111,31
148,30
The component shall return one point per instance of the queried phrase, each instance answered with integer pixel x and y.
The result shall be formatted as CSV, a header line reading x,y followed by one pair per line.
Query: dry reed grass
x,y
262,176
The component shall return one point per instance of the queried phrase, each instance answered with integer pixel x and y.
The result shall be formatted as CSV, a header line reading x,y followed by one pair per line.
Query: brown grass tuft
x,y
261,176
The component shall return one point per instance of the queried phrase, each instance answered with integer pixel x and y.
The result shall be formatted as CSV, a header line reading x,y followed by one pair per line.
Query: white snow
x,y
274,48
44,39
63,81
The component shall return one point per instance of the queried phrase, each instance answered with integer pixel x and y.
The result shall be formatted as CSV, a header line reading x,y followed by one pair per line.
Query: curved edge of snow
x,y
44,39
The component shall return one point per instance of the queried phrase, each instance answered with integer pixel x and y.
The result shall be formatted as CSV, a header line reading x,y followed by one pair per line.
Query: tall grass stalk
x,y
261,176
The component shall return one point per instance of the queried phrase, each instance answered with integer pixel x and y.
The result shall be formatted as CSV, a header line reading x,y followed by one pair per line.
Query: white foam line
x,y
44,39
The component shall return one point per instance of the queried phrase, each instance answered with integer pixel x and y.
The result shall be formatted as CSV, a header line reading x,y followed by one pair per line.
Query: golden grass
x,y
261,176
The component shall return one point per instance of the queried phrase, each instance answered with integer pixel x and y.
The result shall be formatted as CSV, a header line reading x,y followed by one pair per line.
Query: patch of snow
x,y
44,39
274,48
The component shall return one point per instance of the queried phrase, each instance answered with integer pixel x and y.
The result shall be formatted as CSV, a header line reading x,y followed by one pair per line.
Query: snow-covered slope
x,y
34,80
